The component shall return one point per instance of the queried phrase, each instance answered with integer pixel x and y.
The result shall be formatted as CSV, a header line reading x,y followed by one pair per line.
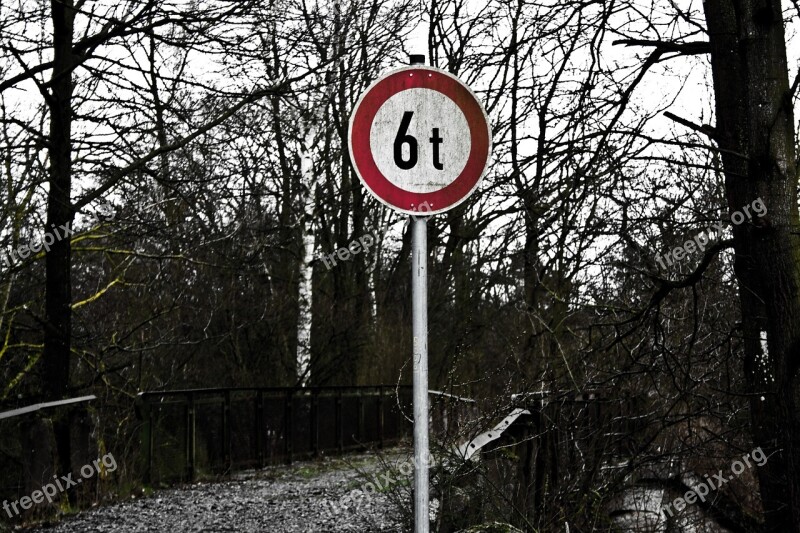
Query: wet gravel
x,y
322,496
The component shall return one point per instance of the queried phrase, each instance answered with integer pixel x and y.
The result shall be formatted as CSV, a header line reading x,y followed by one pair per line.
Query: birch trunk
x,y
306,266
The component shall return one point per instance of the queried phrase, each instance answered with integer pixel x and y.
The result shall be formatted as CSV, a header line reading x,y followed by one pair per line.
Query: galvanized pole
x,y
419,308
419,295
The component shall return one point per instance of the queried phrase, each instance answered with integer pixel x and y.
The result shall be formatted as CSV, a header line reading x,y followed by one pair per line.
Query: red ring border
x,y
361,155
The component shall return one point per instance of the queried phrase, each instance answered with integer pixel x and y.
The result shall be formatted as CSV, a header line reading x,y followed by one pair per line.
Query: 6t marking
x,y
403,137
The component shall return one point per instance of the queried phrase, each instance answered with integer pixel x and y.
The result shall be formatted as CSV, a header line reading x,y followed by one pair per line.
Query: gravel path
x,y
302,498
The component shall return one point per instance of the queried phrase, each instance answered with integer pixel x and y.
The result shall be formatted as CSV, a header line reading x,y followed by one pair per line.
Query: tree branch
x,y
705,129
667,285
687,49
117,175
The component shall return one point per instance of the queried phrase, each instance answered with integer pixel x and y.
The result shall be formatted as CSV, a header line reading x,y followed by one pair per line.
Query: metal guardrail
x,y
218,430
46,405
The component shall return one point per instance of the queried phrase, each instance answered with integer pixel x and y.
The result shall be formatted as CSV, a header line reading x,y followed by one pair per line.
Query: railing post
x,y
360,418
190,437
260,428
144,413
226,432
339,422
314,422
148,438
288,434
151,444
380,417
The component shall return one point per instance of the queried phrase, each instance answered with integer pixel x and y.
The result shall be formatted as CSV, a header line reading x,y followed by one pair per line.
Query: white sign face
x,y
420,140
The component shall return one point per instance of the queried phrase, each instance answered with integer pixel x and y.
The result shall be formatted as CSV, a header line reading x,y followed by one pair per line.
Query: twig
x,y
705,129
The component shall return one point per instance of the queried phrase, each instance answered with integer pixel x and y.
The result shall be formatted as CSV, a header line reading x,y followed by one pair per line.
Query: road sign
x,y
419,137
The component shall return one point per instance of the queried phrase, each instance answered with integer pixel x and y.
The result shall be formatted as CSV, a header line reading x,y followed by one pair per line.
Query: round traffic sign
x,y
419,140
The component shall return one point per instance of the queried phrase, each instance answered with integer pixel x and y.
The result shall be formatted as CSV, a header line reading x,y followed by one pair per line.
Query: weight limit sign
x,y
419,137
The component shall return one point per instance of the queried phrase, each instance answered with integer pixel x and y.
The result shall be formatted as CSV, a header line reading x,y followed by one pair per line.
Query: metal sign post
x,y
420,142
419,308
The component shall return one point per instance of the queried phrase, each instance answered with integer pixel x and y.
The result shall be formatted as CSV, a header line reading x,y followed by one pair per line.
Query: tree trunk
x,y
306,266
756,128
58,288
